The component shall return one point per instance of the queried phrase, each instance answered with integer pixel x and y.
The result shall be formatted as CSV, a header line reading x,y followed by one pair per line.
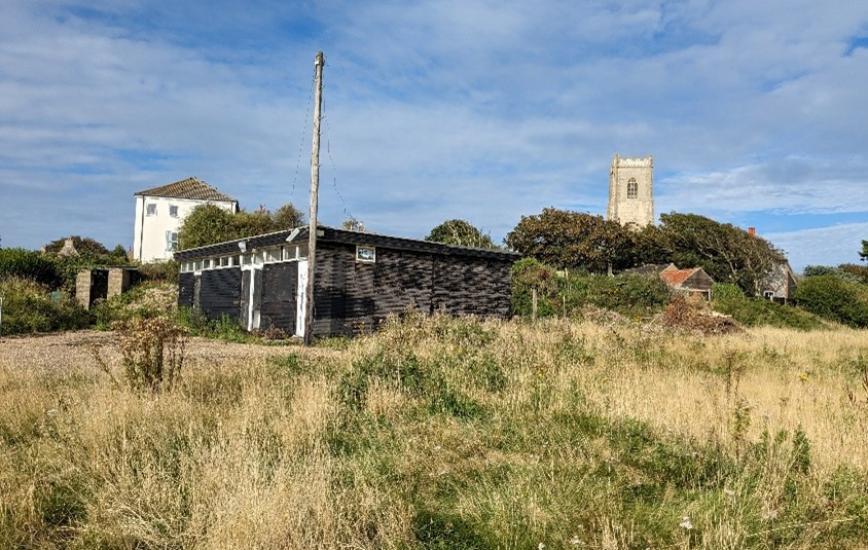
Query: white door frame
x,y
300,298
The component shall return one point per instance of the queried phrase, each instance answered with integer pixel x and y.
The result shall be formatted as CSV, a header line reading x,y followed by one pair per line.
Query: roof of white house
x,y
189,188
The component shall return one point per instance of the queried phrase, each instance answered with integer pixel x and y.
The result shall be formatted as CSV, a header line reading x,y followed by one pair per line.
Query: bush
x,y
161,271
29,307
636,295
834,298
146,300
27,264
152,352
730,300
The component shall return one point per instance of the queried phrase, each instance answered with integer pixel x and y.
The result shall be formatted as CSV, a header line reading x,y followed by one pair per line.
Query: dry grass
x,y
444,434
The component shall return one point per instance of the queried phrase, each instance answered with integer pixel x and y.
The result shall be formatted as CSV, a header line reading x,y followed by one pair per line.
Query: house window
x,y
151,209
173,210
367,254
632,188
769,295
171,241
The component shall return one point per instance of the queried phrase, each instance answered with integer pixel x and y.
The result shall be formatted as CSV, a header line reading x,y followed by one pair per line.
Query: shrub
x,y
730,300
27,264
152,352
160,271
29,307
834,298
635,295
148,299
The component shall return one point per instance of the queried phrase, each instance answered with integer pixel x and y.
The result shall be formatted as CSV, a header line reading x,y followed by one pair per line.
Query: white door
x,y
300,298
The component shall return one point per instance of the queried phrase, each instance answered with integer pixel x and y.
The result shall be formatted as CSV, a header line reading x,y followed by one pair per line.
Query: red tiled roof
x,y
676,277
189,188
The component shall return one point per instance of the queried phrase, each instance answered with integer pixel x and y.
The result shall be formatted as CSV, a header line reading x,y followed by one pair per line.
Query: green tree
x,y
83,245
460,233
287,217
206,224
573,240
863,254
727,253
834,298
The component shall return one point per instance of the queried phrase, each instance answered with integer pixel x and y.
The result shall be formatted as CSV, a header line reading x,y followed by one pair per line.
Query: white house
x,y
160,211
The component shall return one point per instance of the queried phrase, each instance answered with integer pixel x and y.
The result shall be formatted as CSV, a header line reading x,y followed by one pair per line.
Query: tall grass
x,y
454,434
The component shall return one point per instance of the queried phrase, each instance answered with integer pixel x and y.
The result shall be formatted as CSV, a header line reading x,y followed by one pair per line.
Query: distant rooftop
x,y
189,188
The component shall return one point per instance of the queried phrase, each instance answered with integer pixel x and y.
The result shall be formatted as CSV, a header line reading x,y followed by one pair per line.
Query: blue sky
x,y
755,112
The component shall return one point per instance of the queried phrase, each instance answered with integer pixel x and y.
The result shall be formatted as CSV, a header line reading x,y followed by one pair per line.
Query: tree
x,y
287,217
863,254
727,253
206,224
352,224
572,240
83,245
209,224
460,233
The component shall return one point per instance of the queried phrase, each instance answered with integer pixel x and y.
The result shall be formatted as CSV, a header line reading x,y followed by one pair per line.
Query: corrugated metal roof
x,y
188,188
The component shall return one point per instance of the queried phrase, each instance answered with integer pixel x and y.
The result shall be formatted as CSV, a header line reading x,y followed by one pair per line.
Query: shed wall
x,y
353,296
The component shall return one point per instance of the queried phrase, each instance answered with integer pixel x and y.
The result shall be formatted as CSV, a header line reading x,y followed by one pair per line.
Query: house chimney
x,y
751,231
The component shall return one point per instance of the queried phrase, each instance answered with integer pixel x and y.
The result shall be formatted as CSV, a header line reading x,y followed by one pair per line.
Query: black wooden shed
x,y
360,279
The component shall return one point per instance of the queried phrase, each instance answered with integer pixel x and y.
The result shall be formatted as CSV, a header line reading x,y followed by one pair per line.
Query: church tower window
x,y
632,189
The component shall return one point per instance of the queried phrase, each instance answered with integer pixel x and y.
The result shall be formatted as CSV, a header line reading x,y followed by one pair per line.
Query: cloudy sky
x,y
756,112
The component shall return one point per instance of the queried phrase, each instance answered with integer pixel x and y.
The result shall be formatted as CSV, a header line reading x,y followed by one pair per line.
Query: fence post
x,y
1,315
564,305
533,303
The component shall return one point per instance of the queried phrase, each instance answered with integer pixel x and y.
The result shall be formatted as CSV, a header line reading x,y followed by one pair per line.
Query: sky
x,y
755,112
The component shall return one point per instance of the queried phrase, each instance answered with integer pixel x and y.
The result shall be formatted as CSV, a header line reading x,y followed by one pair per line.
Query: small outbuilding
x,y
693,280
360,279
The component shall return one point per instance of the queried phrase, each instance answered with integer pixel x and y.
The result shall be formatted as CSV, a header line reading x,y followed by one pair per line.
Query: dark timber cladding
x,y
352,293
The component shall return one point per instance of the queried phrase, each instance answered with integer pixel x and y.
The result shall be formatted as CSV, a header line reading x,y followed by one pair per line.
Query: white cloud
x,y
831,245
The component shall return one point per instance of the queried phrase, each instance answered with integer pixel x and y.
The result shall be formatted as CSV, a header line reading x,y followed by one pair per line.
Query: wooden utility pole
x,y
319,62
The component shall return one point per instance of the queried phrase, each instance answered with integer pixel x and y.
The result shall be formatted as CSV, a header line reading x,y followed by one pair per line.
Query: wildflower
x,y
575,541
541,546
803,376
686,523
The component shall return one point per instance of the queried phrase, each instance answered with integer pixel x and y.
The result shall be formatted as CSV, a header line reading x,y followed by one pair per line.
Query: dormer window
x,y
173,210
151,209
632,188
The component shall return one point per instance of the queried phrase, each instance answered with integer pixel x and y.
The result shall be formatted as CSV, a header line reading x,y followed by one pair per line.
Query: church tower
x,y
631,191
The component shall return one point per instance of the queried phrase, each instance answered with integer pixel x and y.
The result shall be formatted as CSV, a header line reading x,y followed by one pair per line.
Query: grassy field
x,y
445,434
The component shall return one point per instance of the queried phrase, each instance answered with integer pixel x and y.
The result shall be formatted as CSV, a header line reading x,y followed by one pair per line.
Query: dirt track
x,y
75,350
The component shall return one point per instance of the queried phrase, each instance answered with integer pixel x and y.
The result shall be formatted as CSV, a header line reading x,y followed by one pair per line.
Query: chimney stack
x,y
751,231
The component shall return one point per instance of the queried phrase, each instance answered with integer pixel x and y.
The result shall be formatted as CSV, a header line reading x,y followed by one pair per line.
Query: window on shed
x,y
273,255
366,254
151,209
173,210
198,265
632,188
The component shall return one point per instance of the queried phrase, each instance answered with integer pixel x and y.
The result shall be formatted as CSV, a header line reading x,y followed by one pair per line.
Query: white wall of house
x,y
157,222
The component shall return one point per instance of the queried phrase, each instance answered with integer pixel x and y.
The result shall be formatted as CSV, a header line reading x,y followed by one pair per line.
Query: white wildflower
x,y
575,541
541,546
686,523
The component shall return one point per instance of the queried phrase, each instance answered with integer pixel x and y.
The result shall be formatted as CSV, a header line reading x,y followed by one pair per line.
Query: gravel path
x,y
75,350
